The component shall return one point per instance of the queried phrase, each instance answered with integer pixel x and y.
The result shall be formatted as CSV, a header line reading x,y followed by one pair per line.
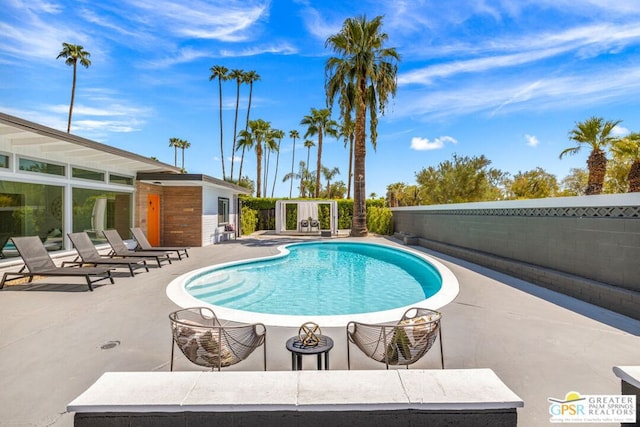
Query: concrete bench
x,y
630,383
406,238
471,397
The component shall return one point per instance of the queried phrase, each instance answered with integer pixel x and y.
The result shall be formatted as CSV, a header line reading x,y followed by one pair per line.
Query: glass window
x,y
223,210
98,210
119,179
30,210
41,167
87,174
4,161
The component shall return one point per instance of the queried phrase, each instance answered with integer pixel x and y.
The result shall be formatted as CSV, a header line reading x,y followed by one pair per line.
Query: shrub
x,y
379,220
248,220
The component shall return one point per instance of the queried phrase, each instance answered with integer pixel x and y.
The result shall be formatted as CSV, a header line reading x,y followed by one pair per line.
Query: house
x,y
52,183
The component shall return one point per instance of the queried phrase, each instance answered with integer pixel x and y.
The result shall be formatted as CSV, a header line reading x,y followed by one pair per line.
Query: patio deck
x,y
56,340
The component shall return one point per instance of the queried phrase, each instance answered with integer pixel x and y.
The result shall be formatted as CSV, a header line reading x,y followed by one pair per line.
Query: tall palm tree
x,y
220,72
72,53
308,144
249,77
238,76
319,123
596,133
362,59
183,145
277,134
347,131
259,134
329,174
629,147
293,134
175,143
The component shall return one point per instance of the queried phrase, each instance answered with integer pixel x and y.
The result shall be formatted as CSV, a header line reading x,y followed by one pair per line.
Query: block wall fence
x,y
586,247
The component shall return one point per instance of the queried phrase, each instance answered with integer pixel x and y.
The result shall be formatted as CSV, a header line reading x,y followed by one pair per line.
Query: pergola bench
x,y
465,397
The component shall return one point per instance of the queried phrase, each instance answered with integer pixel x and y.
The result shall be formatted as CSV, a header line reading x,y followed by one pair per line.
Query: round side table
x,y
298,349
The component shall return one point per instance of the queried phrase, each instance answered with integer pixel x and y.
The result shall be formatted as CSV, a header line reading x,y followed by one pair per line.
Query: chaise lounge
x,y
88,254
119,249
38,262
144,245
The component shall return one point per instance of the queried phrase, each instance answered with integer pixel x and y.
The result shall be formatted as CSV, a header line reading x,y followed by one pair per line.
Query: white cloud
x,y
424,144
620,130
283,48
532,141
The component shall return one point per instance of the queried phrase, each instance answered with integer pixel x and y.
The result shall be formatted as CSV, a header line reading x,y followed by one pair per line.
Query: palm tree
x,y
629,147
220,72
308,144
183,145
258,135
72,54
175,143
292,175
249,77
329,174
319,123
238,76
347,130
293,134
597,134
362,59
277,134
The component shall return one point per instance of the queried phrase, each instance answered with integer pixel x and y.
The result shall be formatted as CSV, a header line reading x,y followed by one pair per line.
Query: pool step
x,y
207,280
262,292
215,289
232,295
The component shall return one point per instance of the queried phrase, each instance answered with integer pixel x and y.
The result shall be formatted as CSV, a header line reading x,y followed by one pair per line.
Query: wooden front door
x,y
153,219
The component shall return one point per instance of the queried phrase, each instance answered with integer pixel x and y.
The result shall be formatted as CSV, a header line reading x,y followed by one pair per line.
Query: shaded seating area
x,y
88,254
38,262
144,245
119,249
401,343
203,340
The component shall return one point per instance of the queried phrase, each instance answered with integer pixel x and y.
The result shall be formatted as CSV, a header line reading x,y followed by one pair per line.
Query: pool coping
x,y
448,292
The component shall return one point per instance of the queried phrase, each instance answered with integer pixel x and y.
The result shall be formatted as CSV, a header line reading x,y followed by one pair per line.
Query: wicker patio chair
x,y
38,262
119,249
401,343
88,254
206,342
144,245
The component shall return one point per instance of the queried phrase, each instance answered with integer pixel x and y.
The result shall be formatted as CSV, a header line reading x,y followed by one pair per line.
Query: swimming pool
x,y
330,282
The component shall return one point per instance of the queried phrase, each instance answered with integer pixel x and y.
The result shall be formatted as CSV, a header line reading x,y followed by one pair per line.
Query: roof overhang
x,y
31,139
188,180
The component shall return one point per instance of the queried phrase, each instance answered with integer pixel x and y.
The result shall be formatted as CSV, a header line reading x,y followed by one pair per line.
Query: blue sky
x,y
507,79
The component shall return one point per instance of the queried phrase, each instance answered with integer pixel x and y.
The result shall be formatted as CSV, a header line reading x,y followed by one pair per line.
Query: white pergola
x,y
307,210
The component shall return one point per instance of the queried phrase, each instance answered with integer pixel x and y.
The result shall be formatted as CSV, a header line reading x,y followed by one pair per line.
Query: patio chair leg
x,y
89,282
441,353
172,348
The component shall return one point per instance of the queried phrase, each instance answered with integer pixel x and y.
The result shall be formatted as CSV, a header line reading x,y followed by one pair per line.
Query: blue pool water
x,y
328,278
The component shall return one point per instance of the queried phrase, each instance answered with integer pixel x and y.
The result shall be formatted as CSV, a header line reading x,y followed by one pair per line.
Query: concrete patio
x,y
57,339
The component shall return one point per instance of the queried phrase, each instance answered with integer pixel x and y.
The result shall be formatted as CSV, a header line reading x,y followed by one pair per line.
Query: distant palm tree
x,y
175,143
319,123
308,144
277,134
292,175
596,133
238,76
184,145
249,77
220,72
629,147
362,59
329,174
293,134
259,133
347,131
72,54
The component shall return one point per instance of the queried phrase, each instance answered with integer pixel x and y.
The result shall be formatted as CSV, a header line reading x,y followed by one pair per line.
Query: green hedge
x,y
262,211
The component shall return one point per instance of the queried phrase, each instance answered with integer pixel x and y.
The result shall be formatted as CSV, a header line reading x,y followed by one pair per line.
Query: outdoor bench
x,y
464,397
